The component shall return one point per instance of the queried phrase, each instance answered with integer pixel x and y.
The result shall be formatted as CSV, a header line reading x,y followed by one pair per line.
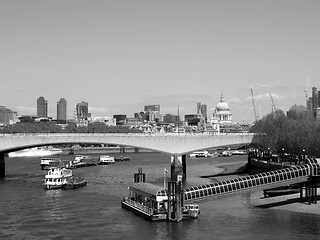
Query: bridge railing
x,y
121,134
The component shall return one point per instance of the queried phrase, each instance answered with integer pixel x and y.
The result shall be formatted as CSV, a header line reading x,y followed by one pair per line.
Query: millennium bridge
x,y
257,182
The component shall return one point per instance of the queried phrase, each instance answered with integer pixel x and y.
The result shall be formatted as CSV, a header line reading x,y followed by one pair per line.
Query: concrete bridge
x,y
176,145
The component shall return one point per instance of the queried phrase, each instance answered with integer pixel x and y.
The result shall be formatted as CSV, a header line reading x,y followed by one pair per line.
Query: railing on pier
x,y
138,205
259,181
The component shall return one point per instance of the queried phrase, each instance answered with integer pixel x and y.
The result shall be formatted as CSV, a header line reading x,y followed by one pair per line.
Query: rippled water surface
x,y
28,211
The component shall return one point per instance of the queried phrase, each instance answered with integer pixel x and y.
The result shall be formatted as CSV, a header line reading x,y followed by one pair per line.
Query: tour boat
x,y
200,154
106,159
61,177
48,162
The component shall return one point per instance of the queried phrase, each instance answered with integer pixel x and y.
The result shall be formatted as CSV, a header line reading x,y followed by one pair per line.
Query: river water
x,y
28,211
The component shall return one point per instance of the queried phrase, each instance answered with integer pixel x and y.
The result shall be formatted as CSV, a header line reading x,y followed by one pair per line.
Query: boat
x,y
61,177
83,161
75,182
200,154
226,153
36,152
191,210
106,159
48,162
239,152
122,158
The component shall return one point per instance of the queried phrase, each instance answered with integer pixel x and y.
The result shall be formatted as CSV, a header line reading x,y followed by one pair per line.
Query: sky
x,y
121,55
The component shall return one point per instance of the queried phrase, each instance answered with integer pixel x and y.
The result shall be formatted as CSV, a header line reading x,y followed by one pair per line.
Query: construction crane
x,y
273,106
254,107
306,90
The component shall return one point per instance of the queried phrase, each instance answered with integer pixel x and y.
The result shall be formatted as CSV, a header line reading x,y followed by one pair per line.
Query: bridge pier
x,y
176,187
2,166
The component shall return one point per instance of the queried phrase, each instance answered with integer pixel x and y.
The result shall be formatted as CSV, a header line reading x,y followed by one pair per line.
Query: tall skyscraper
x,y
42,107
82,111
202,110
62,110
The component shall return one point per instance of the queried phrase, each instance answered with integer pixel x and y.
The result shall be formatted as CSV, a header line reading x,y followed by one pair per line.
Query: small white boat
x,y
106,159
61,177
200,154
191,210
226,153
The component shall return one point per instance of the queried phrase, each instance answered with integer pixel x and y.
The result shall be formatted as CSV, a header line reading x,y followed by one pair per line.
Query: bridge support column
x,y
122,150
176,187
2,166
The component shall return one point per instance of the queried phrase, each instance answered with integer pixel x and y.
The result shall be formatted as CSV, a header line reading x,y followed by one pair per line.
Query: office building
x,y
313,105
42,107
7,116
62,111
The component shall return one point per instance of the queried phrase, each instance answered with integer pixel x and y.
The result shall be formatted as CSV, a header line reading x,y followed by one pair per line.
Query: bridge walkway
x,y
256,182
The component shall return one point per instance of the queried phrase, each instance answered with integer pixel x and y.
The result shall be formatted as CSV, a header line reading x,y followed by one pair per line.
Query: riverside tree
x,y
292,133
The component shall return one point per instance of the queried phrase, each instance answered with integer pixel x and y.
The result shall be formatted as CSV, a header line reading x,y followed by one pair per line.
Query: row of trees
x,y
47,127
292,133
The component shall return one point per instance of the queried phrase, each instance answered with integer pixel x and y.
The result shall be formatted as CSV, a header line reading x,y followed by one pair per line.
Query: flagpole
x,y
164,178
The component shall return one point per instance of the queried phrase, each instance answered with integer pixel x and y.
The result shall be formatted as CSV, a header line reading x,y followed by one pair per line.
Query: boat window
x,y
217,190
210,191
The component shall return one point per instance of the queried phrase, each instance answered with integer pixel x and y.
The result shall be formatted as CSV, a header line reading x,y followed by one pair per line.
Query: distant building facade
x,y
7,116
120,119
313,105
62,111
42,107
202,111
82,114
152,113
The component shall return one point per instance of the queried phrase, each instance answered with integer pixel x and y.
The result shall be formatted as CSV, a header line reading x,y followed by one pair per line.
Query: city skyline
x,y
119,57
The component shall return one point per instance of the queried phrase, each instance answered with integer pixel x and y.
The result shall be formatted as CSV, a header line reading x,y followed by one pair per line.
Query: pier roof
x,y
148,189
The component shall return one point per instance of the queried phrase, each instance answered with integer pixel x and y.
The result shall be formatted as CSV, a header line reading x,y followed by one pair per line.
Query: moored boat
x,y
61,177
200,154
191,210
106,159
122,158
48,162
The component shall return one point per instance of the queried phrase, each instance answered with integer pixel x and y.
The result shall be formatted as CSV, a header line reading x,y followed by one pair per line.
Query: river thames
x,y
28,211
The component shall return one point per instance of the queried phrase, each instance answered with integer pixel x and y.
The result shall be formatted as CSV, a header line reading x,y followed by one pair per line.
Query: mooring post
x,y
2,166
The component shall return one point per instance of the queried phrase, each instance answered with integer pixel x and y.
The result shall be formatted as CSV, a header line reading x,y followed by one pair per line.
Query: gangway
x,y
256,182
